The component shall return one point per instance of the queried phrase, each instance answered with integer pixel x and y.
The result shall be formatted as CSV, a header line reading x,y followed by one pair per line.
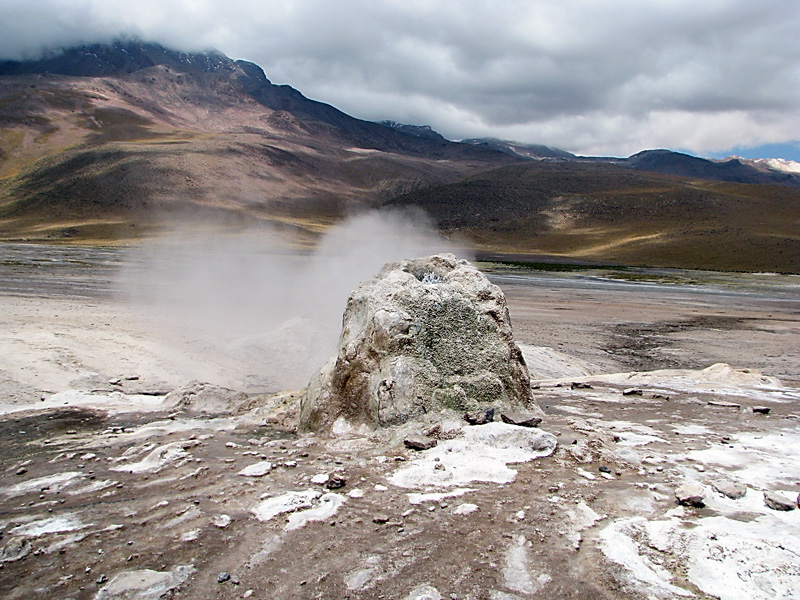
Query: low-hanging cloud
x,y
592,77
264,318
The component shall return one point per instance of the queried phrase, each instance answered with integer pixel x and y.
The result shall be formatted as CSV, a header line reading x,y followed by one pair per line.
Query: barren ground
x,y
99,477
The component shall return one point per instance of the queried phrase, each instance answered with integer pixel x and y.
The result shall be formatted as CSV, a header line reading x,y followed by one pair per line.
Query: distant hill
x,y
519,150
613,213
732,169
668,162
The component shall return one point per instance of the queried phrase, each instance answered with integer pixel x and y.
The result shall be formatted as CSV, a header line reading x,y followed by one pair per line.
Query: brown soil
x,y
165,519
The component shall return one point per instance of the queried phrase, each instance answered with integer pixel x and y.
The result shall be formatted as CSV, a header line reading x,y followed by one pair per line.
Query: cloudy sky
x,y
611,77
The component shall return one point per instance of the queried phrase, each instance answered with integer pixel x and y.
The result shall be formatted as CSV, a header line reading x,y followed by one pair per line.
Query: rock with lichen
x,y
424,335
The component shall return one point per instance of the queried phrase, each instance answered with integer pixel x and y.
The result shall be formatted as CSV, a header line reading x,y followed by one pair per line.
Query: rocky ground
x,y
109,489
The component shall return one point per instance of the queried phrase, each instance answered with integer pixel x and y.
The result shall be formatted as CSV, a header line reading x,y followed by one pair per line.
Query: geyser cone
x,y
424,335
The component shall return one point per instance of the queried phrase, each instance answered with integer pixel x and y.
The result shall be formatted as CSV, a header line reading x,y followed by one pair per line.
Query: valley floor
x,y
107,490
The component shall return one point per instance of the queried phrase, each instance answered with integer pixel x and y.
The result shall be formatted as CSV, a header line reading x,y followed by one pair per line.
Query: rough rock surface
x,y
144,584
777,502
523,419
424,335
731,489
418,442
199,397
691,494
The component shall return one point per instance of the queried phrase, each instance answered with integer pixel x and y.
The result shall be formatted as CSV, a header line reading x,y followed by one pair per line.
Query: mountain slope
x,y
732,169
127,57
613,213
518,150
118,140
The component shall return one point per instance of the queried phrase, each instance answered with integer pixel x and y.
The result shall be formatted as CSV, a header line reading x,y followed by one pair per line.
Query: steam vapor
x,y
267,317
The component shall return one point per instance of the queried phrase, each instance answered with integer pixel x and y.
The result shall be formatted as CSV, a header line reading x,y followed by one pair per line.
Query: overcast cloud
x,y
611,77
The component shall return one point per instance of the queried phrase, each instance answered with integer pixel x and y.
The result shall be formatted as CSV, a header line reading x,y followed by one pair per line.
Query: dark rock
x,y
522,419
761,410
223,577
604,469
579,385
691,494
21,471
777,502
335,482
480,417
418,442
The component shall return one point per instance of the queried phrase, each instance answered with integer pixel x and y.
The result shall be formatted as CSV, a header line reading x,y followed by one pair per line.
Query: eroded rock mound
x,y
424,335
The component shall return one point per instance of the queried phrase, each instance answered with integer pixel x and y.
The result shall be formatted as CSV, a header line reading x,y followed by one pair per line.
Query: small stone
x,y
778,502
336,482
731,489
223,577
320,479
521,419
579,385
723,404
221,521
761,410
418,442
465,509
380,519
604,469
480,417
691,494
21,471
15,549
257,469
101,580
439,467
632,392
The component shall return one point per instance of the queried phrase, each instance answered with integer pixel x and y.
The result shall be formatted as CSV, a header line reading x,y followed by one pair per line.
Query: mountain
x,y
610,212
127,57
424,131
733,169
519,150
773,164
110,143
121,140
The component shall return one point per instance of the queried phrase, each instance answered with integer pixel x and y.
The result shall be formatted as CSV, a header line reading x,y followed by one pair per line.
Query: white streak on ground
x,y
480,455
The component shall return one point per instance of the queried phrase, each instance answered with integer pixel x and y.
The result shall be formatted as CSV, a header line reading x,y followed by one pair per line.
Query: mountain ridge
x,y
164,140
127,57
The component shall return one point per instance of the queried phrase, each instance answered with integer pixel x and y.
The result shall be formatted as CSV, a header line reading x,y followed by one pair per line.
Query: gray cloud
x,y
591,77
